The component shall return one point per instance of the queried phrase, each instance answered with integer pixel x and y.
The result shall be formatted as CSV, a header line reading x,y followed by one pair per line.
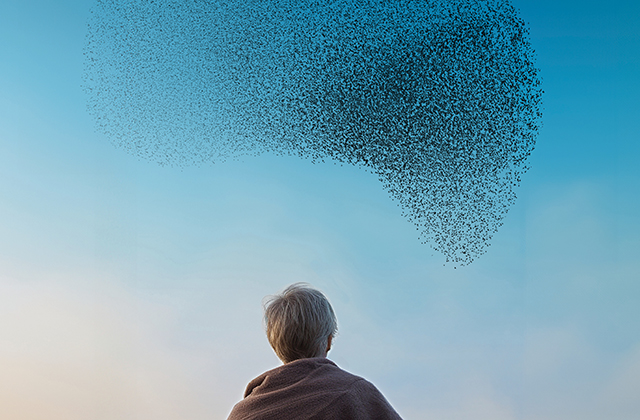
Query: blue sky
x,y
131,290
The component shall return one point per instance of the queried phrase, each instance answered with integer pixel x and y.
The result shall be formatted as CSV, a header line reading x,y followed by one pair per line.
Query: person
x,y
301,325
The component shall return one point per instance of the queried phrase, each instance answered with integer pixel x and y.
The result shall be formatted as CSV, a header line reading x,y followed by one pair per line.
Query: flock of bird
x,y
440,99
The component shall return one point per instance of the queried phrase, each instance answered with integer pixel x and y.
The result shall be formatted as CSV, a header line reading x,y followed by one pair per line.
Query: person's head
x,y
300,323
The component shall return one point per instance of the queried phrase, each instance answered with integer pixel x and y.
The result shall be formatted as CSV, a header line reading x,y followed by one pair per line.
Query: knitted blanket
x,y
313,388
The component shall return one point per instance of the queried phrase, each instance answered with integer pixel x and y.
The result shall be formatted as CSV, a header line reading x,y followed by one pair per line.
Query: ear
x,y
329,343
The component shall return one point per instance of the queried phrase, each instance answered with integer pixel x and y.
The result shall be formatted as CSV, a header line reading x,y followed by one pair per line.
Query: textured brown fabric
x,y
311,389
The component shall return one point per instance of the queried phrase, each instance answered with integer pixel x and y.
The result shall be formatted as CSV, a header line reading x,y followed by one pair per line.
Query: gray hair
x,y
299,322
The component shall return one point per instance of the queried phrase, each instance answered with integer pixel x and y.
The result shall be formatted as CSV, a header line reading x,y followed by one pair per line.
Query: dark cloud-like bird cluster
x,y
439,98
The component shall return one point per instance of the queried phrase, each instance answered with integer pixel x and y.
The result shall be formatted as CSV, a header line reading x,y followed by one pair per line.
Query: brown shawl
x,y
313,388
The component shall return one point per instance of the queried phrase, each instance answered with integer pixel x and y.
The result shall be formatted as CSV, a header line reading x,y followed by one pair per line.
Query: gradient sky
x,y
133,291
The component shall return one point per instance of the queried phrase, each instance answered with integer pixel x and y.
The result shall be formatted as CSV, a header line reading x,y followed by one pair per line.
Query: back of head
x,y
299,321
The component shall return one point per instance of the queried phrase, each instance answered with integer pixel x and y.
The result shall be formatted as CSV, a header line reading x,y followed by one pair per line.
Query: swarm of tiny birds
x,y
439,98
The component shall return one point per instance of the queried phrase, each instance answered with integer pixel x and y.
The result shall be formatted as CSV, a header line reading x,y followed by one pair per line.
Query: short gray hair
x,y
299,322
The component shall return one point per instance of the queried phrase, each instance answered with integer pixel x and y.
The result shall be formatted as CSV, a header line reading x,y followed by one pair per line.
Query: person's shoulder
x,y
254,383
328,369
363,388
365,398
